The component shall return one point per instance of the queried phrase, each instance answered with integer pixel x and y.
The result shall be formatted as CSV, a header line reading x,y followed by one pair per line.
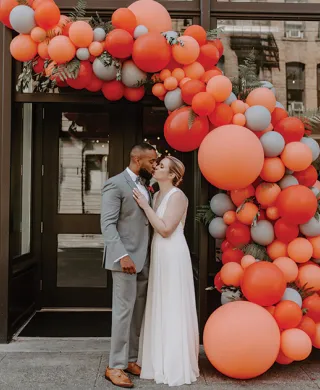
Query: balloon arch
x,y
249,147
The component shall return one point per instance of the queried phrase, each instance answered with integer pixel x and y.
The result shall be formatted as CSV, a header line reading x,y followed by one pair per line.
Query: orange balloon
x,y
256,331
209,56
125,19
247,260
230,173
238,107
262,97
43,50
61,49
308,325
197,32
185,80
296,344
312,303
315,242
47,15
229,217
186,51
81,33
203,104
178,73
288,267
64,20
232,255
190,89
309,276
164,74
170,83
23,48
277,249
134,94
240,195
273,169
35,3
159,90
209,74
220,87
300,250
272,213
231,274
316,337
152,15
270,309
239,119
283,359
287,314
38,34
119,43
296,156
222,115
96,49
113,90
247,213
195,70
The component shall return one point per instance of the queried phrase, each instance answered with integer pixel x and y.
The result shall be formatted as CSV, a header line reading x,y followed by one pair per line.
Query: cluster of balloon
x,y
268,223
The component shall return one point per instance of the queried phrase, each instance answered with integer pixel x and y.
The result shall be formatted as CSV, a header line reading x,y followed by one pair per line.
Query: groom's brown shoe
x,y
118,378
134,369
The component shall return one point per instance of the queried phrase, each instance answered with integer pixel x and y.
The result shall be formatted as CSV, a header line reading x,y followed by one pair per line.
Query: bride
x,y
169,343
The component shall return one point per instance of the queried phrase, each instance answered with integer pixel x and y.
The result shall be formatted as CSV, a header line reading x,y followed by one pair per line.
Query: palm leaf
x,y
79,11
204,214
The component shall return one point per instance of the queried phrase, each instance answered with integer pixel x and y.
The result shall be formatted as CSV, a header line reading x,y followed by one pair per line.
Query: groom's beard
x,y
147,176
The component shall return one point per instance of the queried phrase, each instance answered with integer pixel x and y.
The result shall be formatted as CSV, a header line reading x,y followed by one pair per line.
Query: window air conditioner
x,y
298,34
297,107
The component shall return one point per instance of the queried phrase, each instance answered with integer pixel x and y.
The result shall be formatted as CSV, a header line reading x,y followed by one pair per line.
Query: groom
x,y
126,234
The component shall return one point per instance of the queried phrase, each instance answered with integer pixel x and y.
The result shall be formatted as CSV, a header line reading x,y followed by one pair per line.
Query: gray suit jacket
x,y
124,225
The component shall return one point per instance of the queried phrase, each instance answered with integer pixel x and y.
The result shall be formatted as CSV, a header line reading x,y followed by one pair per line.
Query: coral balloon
x,y
308,326
218,44
263,283
238,107
287,314
81,33
47,15
238,234
238,196
164,74
247,260
262,97
232,255
222,115
186,51
297,204
231,274
38,34
23,48
239,119
309,277
247,213
273,169
158,89
178,134
190,89
151,52
277,115
43,50
267,194
296,156
119,43
312,303
195,70
6,6
84,76
229,217
152,15
291,129
113,90
209,74
197,32
209,56
288,267
134,94
315,242
170,83
220,87
96,49
203,104
307,177
300,250
125,19
277,249
178,73
256,331
61,49
296,344
231,173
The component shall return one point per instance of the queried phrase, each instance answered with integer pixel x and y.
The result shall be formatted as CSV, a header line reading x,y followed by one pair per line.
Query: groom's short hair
x,y
138,148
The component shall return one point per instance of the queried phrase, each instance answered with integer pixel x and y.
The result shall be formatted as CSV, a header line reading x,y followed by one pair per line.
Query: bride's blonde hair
x,y
177,168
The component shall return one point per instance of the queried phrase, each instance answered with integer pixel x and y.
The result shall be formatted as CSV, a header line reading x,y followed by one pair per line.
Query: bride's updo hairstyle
x,y
177,168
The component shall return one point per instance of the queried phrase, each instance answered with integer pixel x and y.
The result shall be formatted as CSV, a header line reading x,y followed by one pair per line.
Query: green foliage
x,y
257,251
214,33
191,118
204,214
69,70
108,60
303,291
79,11
96,22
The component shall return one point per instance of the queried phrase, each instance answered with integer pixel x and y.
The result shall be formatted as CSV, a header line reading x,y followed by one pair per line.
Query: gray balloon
x,y
313,145
273,143
22,19
279,105
230,99
311,228
315,190
99,34
258,118
221,203
131,74
287,181
140,30
262,233
218,228
173,99
290,294
267,84
105,73
83,54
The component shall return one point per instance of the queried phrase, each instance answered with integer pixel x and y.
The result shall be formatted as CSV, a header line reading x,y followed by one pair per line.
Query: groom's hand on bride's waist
x,y
128,265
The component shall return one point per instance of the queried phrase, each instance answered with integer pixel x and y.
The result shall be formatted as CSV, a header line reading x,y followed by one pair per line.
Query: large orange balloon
x,y
296,156
81,33
285,231
190,89
209,56
151,52
47,15
186,51
300,250
234,337
124,19
61,49
277,249
262,97
263,283
267,193
273,169
231,173
198,33
309,276
151,14
288,267
220,87
23,48
119,43
291,129
178,134
296,344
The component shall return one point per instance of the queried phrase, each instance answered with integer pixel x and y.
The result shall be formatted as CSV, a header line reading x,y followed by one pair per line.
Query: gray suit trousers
x,y
128,305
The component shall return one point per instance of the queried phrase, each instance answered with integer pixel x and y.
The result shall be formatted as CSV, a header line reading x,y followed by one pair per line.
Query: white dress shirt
x,y
143,191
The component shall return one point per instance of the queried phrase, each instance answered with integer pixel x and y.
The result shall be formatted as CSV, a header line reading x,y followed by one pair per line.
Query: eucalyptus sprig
x,y
107,60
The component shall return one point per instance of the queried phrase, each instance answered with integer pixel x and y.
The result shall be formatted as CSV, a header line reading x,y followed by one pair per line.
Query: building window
x,y
318,84
294,29
295,86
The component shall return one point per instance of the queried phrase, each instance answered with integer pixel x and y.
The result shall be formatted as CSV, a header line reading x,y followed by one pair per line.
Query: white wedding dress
x,y
169,342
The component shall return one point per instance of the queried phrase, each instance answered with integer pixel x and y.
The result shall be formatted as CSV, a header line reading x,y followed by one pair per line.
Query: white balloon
x,y
105,73
22,19
311,228
291,294
131,74
221,203
287,181
83,54
99,34
218,228
173,99
313,145
230,99
140,30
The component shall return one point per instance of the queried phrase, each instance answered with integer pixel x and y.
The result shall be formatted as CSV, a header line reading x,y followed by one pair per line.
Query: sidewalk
x,y
79,364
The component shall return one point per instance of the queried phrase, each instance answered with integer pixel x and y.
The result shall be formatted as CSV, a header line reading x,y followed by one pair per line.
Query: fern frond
x,y
303,290
204,214
257,251
96,21
79,11
311,120
191,118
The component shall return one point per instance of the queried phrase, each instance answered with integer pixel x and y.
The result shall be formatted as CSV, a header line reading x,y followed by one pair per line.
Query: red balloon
x,y
113,90
119,43
190,89
222,115
218,44
292,129
218,283
84,76
151,52
178,134
297,204
134,94
232,255
95,84
277,115
225,245
238,234
285,231
209,56
263,283
307,177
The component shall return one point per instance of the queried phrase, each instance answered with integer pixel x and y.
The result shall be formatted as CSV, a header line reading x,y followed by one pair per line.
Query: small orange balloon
x,y
61,49
164,74
43,50
272,213
170,83
81,33
283,359
159,90
38,34
247,213
183,81
309,276
47,15
296,156
267,193
308,325
231,274
273,169
96,49
197,32
203,104
287,314
124,19
195,70
221,115
288,267
262,97
186,51
238,107
119,43
300,250
296,344
277,249
239,119
23,48
178,73
315,242
220,87
229,217
247,260
239,196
